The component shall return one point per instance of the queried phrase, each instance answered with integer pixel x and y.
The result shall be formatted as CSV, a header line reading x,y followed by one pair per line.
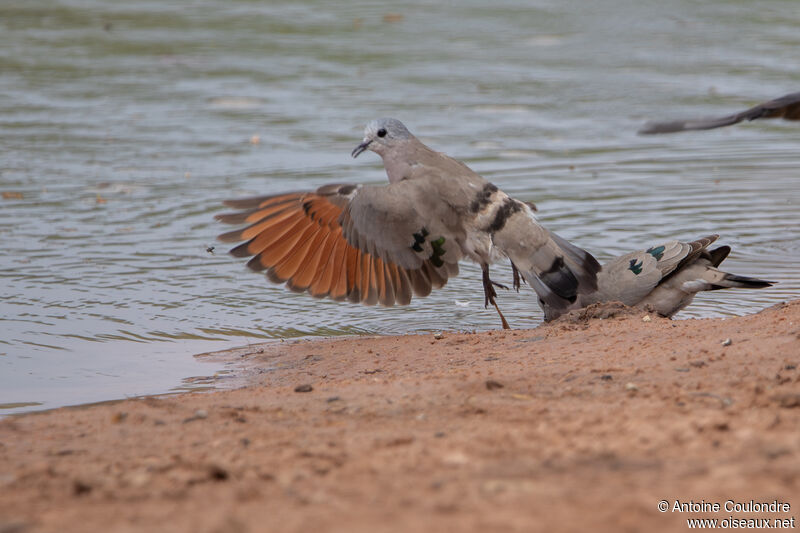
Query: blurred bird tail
x,y
726,281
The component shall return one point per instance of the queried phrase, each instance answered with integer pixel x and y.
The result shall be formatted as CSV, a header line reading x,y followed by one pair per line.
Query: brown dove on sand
x,y
665,277
384,243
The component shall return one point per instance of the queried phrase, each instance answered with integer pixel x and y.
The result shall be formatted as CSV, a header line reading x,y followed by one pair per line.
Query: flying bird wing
x,y
366,244
786,107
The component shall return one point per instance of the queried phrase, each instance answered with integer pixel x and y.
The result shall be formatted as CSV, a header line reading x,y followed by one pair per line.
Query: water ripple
x,y
124,126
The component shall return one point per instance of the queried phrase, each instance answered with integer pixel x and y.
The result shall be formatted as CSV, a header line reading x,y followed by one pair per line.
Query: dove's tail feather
x,y
556,269
583,264
734,281
710,278
568,277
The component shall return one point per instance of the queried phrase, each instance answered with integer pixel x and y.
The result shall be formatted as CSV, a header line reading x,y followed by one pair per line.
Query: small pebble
x,y
493,385
217,473
80,487
438,336
522,397
303,388
455,458
788,401
646,318
631,387
727,342
200,414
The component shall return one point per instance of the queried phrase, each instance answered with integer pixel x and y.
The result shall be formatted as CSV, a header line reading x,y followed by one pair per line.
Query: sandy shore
x,y
574,425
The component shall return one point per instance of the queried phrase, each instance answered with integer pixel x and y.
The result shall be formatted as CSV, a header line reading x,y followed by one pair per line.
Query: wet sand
x,y
580,424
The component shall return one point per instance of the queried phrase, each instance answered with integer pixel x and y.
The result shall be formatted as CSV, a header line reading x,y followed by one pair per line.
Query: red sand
x,y
581,424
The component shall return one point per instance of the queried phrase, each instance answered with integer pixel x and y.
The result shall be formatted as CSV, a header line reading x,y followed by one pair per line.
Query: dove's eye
x,y
382,132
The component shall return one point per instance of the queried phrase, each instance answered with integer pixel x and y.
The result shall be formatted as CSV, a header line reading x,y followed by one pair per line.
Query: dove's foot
x,y
490,294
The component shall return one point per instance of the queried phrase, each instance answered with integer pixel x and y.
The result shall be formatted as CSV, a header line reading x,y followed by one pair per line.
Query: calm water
x,y
124,125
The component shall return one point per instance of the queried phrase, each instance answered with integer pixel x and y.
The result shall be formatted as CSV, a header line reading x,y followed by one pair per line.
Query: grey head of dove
x,y
390,139
383,135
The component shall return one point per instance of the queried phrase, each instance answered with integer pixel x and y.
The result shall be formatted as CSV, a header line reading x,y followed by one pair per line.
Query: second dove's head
x,y
381,135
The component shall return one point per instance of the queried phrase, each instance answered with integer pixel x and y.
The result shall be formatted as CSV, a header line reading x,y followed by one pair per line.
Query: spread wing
x,y
366,244
786,107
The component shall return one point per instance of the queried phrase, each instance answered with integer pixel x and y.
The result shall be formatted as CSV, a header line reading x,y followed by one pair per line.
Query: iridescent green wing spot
x,y
438,252
437,246
657,252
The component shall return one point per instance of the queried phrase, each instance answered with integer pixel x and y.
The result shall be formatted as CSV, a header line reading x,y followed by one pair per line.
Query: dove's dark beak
x,y
361,147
